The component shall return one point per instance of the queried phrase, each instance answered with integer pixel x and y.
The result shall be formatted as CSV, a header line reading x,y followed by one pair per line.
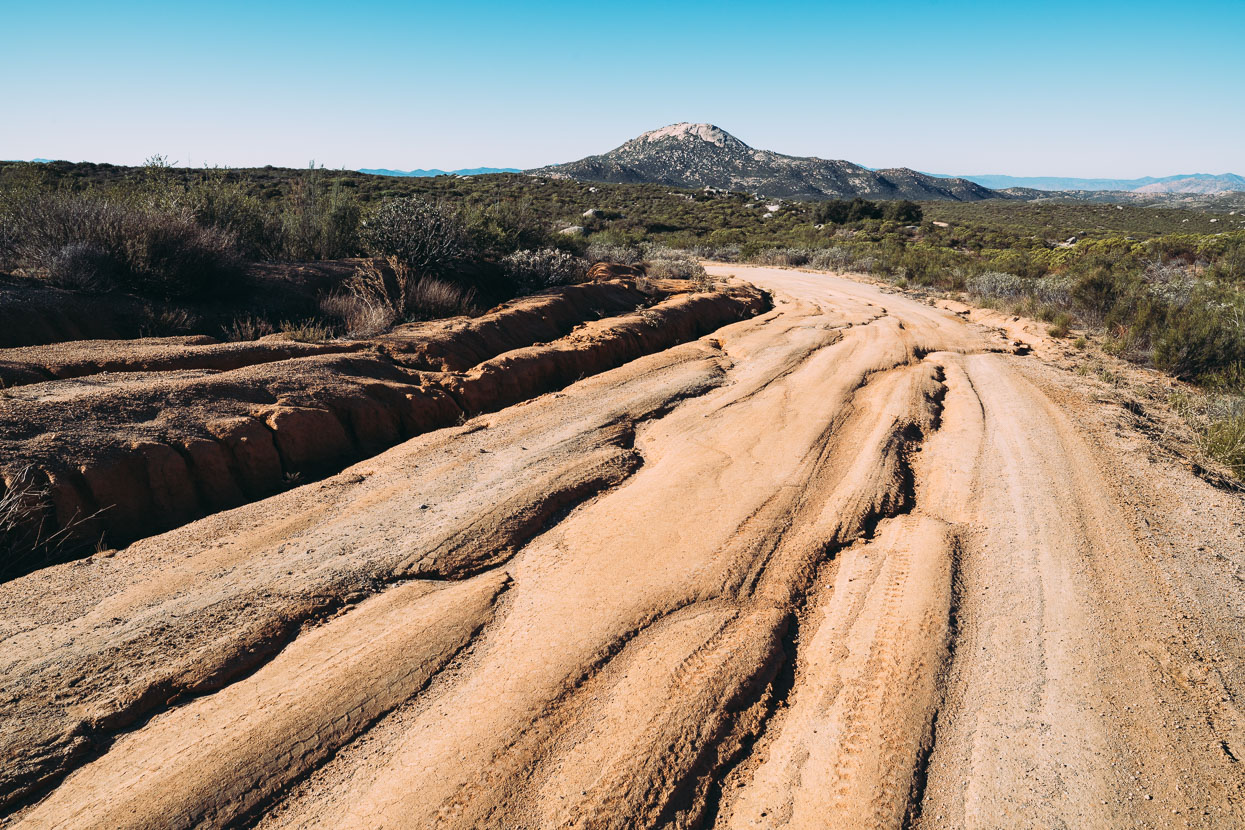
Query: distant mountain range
x,y
466,171
702,155
1191,183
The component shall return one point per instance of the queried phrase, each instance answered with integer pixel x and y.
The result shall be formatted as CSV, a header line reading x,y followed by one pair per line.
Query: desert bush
x,y
706,282
1217,417
429,239
717,253
27,538
996,284
791,257
432,299
84,266
675,267
42,228
358,316
173,256
830,259
660,250
22,504
1196,341
865,264
1053,293
380,294
618,254
227,206
1169,283
1096,292
1223,439
508,225
248,327
1060,325
164,321
531,271
320,221
81,240
306,331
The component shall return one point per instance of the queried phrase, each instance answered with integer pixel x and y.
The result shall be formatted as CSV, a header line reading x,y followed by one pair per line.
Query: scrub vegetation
x,y
1162,287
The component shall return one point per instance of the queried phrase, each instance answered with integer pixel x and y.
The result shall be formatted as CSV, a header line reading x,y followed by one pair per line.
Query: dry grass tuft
x,y
306,331
24,511
382,294
248,327
1217,417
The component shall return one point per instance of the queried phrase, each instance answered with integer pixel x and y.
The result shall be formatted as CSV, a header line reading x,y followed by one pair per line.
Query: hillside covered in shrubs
x,y
1166,284
1164,287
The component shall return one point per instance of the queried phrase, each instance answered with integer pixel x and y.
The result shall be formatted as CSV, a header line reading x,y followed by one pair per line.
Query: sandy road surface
x,y
847,564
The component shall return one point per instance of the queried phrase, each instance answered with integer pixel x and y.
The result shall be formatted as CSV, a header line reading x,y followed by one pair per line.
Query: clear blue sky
x,y
1079,89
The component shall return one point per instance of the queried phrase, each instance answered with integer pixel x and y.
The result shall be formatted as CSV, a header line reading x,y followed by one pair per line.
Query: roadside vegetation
x,y
183,240
1161,287
1175,302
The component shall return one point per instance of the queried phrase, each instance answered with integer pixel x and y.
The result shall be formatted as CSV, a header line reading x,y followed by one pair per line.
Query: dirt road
x,y
846,564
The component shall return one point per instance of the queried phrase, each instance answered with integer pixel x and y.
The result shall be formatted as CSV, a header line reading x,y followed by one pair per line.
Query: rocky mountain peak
x,y
704,155
685,131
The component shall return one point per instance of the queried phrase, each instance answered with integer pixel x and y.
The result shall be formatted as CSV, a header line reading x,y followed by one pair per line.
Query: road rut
x,y
850,563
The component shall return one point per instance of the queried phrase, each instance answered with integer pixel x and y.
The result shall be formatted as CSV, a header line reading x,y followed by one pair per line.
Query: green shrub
x,y
1060,325
1224,440
216,202
320,221
430,239
1197,341
842,211
506,226
1096,292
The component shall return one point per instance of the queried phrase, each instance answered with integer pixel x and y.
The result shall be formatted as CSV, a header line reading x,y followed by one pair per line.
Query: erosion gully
x,y
848,563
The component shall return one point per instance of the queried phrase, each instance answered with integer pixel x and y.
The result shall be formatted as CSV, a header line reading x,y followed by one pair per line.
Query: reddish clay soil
x,y
130,438
849,562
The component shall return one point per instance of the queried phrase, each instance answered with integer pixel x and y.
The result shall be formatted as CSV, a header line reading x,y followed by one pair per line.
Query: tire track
x,y
867,575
